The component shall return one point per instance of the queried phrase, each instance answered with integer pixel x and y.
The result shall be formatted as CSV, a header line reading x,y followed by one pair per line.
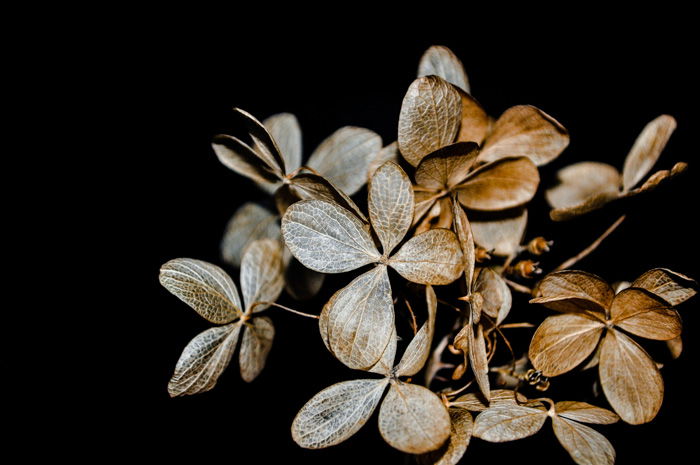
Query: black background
x,y
177,87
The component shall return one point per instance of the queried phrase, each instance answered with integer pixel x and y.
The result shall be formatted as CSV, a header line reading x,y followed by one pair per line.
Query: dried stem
x,y
307,315
585,252
518,287
414,324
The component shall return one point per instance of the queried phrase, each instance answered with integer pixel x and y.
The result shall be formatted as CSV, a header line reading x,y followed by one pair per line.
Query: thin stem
x,y
517,325
414,325
585,252
458,391
307,315
443,302
518,287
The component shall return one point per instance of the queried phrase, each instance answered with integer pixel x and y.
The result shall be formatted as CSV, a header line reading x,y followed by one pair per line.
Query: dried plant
x,y
446,206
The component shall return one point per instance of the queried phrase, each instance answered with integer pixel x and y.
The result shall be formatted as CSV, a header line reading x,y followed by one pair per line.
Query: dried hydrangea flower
x,y
512,421
358,320
587,186
629,377
211,293
411,418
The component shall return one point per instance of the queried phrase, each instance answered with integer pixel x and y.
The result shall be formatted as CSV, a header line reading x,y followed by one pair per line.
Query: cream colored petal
x,y
285,131
581,181
258,334
268,149
336,413
644,314
503,423
307,186
413,419
249,223
360,319
388,153
386,363
430,117
574,291
585,413
241,158
476,402
593,203
502,233
344,157
390,203
204,287
673,287
262,273
433,257
630,379
526,131
585,445
460,434
418,349
562,342
447,166
204,359
502,184
326,237
440,61
646,150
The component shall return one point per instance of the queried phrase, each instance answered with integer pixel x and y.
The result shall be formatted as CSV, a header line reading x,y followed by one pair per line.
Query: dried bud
x,y
482,255
525,269
539,245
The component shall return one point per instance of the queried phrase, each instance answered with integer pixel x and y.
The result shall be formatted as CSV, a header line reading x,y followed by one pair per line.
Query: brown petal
x,y
433,257
413,419
390,203
206,288
256,344
460,434
564,341
475,124
501,234
673,287
502,184
496,294
425,208
574,291
418,350
642,313
430,116
585,413
476,402
344,157
630,379
440,61
646,150
585,445
581,181
285,131
503,423
527,131
447,166
675,346
478,358
658,178
241,158
337,412
591,204
360,319
249,223
466,242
